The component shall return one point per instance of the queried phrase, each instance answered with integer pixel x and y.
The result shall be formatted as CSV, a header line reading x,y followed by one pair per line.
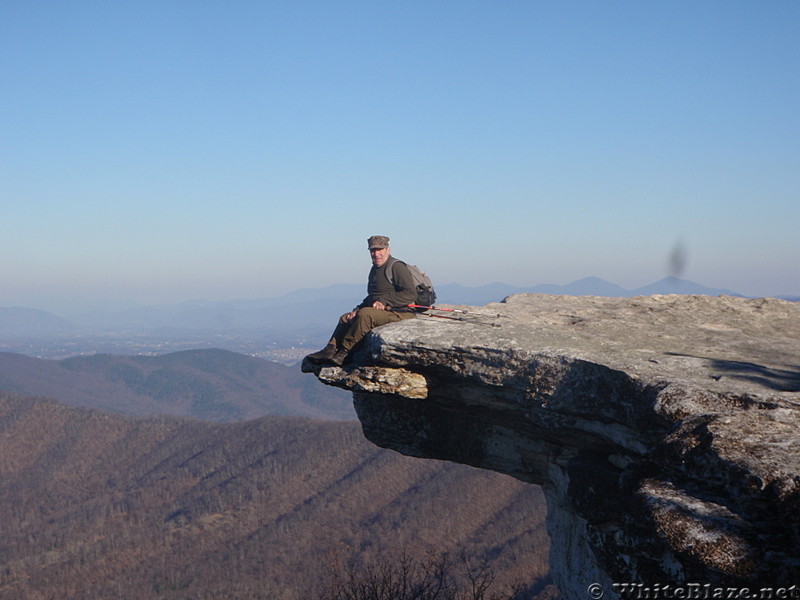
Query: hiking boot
x,y
324,355
339,358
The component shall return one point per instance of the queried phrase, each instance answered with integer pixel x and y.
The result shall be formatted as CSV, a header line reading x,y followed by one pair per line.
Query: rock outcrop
x,y
664,430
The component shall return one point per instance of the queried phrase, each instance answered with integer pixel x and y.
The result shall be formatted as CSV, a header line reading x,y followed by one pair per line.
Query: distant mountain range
x,y
588,286
308,309
206,384
16,321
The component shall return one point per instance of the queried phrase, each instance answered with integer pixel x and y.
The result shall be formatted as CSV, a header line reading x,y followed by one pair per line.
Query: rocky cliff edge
x,y
663,429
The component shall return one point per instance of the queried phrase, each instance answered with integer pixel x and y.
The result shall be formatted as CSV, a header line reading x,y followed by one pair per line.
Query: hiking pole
x,y
456,318
455,310
462,319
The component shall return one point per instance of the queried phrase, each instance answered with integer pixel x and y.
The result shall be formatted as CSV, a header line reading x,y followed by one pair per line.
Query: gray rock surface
x,y
663,429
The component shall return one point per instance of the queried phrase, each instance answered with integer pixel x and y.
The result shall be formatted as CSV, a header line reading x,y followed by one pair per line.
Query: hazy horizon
x,y
165,152
72,307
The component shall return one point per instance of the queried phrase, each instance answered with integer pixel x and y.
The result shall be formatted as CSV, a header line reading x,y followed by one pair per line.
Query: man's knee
x,y
369,314
374,317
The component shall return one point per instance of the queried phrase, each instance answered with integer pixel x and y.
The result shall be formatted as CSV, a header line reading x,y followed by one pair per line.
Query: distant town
x,y
281,351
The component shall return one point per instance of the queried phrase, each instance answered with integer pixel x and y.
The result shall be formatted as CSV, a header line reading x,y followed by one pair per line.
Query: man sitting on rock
x,y
390,289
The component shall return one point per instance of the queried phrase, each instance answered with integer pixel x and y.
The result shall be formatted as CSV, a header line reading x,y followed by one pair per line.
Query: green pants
x,y
348,333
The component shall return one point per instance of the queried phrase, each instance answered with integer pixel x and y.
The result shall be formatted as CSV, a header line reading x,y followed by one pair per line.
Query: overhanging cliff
x,y
663,429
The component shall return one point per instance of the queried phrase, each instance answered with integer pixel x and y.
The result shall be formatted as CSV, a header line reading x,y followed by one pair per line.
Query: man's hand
x,y
352,314
379,305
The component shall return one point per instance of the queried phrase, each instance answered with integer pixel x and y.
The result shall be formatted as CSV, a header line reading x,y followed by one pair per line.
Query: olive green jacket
x,y
397,293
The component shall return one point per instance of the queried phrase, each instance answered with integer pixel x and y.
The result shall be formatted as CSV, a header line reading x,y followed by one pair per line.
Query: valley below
x,y
171,477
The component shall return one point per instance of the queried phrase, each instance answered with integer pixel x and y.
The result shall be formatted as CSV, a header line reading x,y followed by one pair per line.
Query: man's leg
x,y
365,321
329,351
341,330
349,332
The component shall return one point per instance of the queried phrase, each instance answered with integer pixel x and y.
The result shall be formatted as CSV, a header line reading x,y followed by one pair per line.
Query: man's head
x,y
379,249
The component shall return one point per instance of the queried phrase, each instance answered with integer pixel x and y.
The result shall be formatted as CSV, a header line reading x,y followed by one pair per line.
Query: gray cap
x,y
378,241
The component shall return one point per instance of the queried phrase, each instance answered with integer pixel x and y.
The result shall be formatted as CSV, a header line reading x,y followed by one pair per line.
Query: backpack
x,y
426,295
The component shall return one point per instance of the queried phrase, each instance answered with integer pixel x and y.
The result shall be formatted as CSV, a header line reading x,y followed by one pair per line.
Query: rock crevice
x,y
663,430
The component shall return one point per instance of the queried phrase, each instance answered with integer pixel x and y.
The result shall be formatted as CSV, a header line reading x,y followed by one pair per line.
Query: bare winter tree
x,y
437,577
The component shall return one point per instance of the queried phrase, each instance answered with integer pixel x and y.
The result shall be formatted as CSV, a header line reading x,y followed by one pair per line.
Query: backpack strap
x,y
389,268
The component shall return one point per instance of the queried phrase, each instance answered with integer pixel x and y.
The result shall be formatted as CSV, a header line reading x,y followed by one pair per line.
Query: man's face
x,y
379,256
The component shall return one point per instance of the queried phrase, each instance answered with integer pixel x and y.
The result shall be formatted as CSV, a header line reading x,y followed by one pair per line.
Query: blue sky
x,y
160,151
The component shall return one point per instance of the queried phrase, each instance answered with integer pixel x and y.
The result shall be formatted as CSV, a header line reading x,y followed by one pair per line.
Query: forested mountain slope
x,y
208,384
97,506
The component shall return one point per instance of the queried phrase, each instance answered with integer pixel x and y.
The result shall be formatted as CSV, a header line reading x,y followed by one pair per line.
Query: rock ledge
x,y
663,429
